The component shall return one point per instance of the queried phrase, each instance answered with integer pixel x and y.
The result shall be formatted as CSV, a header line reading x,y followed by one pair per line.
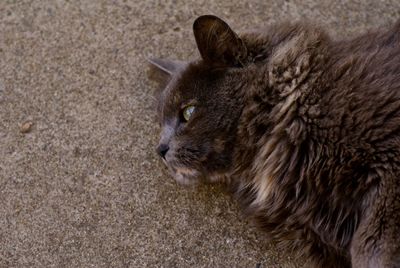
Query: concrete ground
x,y
80,184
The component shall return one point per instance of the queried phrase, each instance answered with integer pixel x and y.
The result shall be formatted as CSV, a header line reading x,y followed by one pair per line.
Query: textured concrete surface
x,y
82,187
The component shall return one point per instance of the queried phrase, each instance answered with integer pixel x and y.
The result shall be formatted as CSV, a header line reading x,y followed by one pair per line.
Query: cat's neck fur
x,y
280,89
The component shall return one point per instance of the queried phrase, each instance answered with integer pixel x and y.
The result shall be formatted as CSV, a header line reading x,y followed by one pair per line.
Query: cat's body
x,y
305,130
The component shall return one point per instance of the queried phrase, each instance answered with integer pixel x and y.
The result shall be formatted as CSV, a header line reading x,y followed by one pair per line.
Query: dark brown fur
x,y
304,129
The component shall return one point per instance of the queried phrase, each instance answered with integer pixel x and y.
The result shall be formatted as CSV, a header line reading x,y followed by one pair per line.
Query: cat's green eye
x,y
187,112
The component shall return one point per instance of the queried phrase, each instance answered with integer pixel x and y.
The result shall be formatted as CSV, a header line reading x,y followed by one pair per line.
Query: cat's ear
x,y
218,43
161,71
167,66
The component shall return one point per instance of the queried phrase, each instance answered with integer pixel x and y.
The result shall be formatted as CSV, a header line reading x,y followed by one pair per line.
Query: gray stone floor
x,y
84,187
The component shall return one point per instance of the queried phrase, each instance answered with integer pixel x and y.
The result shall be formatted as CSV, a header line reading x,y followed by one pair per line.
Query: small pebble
x,y
26,127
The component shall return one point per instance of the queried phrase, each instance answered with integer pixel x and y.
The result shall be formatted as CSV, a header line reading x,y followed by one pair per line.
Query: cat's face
x,y
198,115
199,109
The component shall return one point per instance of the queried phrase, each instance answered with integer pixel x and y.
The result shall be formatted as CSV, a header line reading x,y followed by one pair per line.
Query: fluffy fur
x,y
304,129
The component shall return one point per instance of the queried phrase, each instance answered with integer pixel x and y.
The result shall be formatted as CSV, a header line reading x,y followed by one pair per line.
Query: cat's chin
x,y
185,176
185,180
192,177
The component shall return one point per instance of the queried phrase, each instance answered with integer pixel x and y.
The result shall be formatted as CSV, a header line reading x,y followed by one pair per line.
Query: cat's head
x,y
200,105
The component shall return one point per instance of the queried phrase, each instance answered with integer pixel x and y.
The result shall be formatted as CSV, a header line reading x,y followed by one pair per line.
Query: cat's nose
x,y
162,149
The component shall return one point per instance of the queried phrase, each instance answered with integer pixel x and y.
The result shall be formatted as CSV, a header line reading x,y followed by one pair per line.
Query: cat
x,y
304,129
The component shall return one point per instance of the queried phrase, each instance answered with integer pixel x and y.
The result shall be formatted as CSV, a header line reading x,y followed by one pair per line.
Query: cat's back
x,y
370,58
361,105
